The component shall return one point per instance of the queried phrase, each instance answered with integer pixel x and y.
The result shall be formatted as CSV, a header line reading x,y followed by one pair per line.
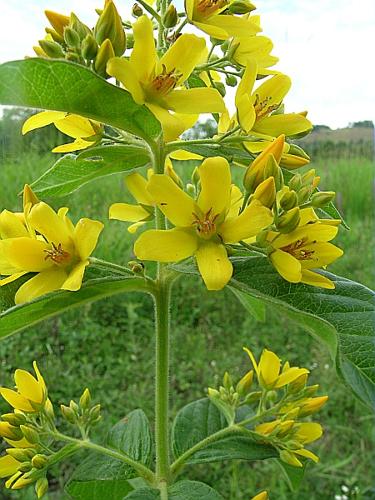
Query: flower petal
x,y
175,204
11,225
86,234
322,254
316,279
75,278
8,466
183,55
196,100
123,71
16,400
28,386
172,125
216,181
307,454
214,265
245,109
42,283
171,245
75,126
269,367
127,212
223,27
143,58
25,254
137,185
308,432
76,145
287,266
250,222
290,124
41,120
272,91
289,375
46,221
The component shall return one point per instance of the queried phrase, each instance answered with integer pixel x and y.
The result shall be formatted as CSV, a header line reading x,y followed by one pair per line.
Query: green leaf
x,y
132,435
333,213
199,420
253,305
192,490
71,171
144,494
65,86
231,153
293,475
345,313
193,423
99,477
22,316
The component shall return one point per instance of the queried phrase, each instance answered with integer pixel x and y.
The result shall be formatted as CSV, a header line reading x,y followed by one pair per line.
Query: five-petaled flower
x,y
158,83
46,243
202,226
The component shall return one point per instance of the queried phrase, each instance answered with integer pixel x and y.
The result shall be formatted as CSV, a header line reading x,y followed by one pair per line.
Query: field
x,y
108,346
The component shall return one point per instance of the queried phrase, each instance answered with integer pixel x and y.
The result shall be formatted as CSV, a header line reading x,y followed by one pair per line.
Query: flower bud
x,y
295,182
39,461
227,381
272,169
57,21
52,49
289,221
55,36
298,384
311,390
73,56
213,393
39,51
25,467
85,399
69,414
308,177
322,198
20,454
231,80
298,151
129,40
266,192
136,267
284,428
89,48
30,434
303,195
105,53
289,458
95,414
252,397
245,383
241,7
79,26
41,487
109,27
312,406
137,10
288,200
190,189
170,18
10,432
15,419
71,38
250,180
220,87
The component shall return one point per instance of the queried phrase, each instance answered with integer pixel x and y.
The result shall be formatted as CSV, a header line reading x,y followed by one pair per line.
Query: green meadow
x,y
108,345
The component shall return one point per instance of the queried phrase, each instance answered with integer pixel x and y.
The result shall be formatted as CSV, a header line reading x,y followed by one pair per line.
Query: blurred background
x,y
324,46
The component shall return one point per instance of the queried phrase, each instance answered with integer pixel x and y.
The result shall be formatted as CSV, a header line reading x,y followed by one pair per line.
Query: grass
x,y
209,329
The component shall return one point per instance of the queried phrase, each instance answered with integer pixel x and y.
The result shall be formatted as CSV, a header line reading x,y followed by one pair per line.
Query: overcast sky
x,y
325,46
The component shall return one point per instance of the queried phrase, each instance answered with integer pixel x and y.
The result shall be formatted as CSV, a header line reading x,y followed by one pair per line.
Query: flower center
x,y
166,81
296,250
262,108
206,225
57,254
208,7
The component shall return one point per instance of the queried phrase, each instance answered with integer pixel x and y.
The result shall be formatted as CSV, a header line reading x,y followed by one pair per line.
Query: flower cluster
x,y
30,431
47,244
278,402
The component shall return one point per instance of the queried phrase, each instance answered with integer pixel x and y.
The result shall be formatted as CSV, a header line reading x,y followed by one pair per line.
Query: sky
x,y
323,45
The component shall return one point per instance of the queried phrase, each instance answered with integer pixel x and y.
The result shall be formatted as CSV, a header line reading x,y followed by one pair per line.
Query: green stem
x,y
142,470
150,10
103,264
179,29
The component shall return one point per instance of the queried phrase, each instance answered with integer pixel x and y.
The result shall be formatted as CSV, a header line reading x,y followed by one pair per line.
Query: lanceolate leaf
x,y
22,316
66,86
71,171
346,312
182,490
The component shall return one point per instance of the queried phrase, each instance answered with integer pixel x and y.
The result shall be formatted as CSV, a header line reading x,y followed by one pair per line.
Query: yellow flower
x,y
83,130
202,226
257,48
31,393
208,15
254,107
296,255
263,495
288,160
268,370
138,214
58,251
156,82
8,466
